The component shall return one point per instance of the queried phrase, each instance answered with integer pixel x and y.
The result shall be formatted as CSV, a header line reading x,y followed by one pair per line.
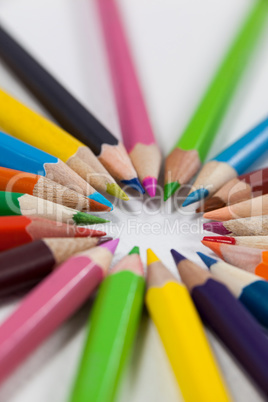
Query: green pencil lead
x,y
82,218
135,250
170,189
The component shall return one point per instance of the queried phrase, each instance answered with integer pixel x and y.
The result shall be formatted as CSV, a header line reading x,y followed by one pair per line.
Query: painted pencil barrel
x,y
18,271
111,332
49,137
183,337
44,309
235,327
18,230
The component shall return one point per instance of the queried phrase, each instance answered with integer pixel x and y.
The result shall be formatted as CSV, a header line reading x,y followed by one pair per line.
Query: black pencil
x,y
68,111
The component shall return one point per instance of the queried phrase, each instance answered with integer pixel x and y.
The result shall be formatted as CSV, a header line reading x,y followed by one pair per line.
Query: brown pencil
x,y
22,267
254,207
239,189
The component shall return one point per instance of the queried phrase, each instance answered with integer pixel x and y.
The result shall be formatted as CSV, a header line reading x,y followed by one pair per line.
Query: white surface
x,y
177,44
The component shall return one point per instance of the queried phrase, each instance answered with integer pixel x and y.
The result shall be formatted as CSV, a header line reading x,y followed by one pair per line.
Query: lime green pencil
x,y
113,327
191,149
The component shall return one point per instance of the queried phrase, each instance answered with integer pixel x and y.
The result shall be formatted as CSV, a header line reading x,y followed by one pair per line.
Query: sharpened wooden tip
x,y
151,257
158,275
191,274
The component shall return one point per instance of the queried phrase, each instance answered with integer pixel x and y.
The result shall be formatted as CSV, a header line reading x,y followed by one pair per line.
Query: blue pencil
x,y
249,289
18,155
230,163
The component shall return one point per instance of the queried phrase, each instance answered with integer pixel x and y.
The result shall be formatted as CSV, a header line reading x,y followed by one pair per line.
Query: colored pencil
x,y
42,133
260,242
228,318
111,331
95,144
239,189
249,259
253,207
16,154
249,289
182,334
24,266
253,226
51,303
25,204
134,120
191,149
18,230
42,187
231,162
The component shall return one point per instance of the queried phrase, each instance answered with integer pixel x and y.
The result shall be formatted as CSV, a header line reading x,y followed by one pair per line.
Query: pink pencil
x,y
45,308
135,124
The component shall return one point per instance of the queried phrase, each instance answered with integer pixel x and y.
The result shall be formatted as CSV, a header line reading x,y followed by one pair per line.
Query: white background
x,y
177,44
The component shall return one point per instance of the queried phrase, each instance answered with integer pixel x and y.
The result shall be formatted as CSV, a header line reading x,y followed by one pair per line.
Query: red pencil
x,y
18,230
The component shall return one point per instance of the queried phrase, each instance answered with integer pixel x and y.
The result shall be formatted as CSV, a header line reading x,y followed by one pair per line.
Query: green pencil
x,y
191,149
26,204
113,327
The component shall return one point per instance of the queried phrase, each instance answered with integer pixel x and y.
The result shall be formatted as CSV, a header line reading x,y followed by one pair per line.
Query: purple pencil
x,y
228,318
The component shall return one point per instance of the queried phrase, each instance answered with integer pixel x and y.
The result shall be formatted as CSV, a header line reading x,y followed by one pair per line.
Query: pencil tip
x,y
150,185
216,227
196,196
104,240
220,239
211,204
83,218
114,190
135,250
177,256
110,245
134,183
101,199
151,257
206,259
214,246
170,189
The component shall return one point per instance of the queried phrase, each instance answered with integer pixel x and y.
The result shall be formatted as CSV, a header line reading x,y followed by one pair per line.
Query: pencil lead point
x,y
135,250
196,196
150,185
216,227
111,245
177,256
82,218
135,184
114,190
170,189
212,204
214,246
101,199
207,260
151,257
104,240
220,239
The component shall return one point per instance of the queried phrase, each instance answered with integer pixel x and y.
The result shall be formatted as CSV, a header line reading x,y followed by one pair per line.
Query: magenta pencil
x,y
134,120
52,302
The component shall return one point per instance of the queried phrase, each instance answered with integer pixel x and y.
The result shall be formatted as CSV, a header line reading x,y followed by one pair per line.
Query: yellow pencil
x,y
182,334
25,124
